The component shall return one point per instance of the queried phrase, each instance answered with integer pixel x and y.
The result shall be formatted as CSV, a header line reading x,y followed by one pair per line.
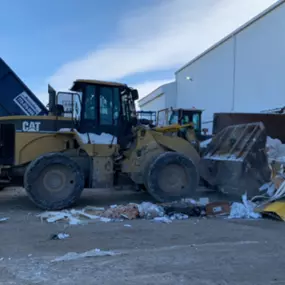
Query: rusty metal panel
x,y
274,123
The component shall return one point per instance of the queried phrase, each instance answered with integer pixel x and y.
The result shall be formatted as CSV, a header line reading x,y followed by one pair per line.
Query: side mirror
x,y
135,94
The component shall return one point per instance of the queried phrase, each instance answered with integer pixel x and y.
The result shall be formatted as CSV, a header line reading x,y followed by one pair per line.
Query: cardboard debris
x,y
218,208
129,212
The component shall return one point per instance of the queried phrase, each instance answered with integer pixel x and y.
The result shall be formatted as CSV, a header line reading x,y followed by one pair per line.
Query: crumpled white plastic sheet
x,y
244,210
91,253
275,150
4,219
149,210
179,216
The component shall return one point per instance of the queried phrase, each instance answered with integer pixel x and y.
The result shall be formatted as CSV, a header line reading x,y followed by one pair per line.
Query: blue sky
x,y
139,42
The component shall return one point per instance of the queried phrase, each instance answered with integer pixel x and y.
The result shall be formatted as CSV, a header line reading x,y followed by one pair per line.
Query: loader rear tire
x,y
54,181
172,176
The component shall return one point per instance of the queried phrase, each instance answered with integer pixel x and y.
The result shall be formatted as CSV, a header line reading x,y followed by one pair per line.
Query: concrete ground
x,y
195,251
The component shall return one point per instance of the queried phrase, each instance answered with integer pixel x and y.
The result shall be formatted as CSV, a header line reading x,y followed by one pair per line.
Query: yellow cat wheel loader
x,y
94,143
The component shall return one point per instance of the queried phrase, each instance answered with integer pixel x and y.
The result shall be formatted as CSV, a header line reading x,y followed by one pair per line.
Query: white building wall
x,y
245,73
161,98
170,94
210,87
155,104
260,64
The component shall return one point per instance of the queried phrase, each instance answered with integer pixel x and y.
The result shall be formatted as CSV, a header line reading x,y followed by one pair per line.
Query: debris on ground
x,y
180,210
275,150
129,212
165,220
4,219
184,207
149,210
244,210
269,201
204,201
105,220
179,216
59,236
91,253
220,208
168,212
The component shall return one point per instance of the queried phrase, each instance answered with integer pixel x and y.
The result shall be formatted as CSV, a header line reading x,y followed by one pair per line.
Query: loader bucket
x,y
236,161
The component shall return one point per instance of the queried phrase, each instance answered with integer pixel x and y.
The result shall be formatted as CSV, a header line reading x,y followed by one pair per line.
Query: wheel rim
x,y
173,179
56,181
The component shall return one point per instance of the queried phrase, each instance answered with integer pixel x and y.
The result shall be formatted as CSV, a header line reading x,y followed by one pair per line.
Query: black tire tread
x,y
158,163
37,165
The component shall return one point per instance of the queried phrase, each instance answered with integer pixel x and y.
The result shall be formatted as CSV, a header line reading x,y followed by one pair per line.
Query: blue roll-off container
x,y
15,97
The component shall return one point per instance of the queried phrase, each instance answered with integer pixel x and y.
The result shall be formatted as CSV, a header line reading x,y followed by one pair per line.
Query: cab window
x,y
173,118
196,121
109,105
90,103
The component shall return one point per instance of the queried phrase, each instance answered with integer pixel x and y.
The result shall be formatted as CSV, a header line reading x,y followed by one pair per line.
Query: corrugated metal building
x,y
244,72
161,98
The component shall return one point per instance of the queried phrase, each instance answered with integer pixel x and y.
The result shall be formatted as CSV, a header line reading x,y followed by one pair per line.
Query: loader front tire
x,y
172,176
54,181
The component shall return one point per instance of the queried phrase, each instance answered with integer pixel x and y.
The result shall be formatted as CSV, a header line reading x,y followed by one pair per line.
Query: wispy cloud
x,y
161,37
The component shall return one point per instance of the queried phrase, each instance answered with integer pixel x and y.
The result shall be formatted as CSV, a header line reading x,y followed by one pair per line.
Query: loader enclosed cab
x,y
97,107
187,122
172,116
